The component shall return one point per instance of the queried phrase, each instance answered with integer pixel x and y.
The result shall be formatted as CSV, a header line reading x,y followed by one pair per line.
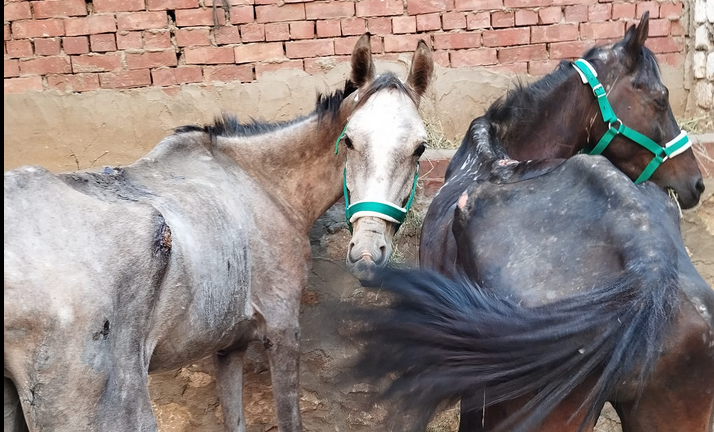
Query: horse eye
x,y
420,150
348,142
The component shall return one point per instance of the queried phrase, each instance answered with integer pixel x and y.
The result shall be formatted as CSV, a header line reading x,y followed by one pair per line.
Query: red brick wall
x,y
78,45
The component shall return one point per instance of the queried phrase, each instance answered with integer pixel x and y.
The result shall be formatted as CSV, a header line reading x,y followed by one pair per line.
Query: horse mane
x,y
386,81
228,125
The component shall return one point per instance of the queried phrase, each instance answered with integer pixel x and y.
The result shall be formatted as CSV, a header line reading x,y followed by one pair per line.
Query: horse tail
x,y
450,339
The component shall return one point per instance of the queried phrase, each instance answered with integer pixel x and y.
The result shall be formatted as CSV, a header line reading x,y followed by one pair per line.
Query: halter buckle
x,y
599,91
618,122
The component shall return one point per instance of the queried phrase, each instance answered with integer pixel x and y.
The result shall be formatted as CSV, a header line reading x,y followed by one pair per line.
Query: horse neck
x,y
560,127
296,165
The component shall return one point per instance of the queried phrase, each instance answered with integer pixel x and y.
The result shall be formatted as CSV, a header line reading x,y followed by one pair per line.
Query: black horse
x,y
572,287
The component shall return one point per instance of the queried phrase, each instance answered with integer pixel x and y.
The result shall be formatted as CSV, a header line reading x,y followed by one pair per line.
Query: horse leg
x,y
229,380
283,346
679,396
14,419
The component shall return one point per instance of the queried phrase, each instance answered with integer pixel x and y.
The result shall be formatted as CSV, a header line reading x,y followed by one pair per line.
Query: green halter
x,y
615,127
381,209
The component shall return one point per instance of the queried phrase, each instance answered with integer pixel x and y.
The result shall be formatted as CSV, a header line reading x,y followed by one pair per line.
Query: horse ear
x,y
422,68
635,38
362,65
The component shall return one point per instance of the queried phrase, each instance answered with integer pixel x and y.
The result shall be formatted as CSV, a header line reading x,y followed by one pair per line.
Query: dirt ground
x,y
186,400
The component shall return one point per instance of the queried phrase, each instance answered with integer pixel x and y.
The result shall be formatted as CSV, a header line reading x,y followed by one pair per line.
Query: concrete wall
x,y
702,55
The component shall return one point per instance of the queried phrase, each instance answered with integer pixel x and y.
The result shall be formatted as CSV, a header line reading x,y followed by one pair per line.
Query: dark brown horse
x,y
569,237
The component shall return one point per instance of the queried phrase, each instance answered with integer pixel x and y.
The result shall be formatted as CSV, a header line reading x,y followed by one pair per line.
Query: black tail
x,y
447,340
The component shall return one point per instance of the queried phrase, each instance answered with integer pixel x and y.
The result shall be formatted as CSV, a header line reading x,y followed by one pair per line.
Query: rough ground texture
x,y
185,400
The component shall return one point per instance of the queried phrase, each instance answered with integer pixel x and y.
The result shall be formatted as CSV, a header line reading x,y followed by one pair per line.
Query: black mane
x,y
228,125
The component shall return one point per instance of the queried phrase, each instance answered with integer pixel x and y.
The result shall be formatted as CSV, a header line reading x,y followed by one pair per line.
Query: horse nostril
x,y
700,186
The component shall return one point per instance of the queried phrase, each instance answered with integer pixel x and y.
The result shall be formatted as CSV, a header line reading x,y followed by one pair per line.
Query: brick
x,y
677,29
59,8
33,29
209,55
163,77
599,12
506,37
671,10
302,30
526,3
345,45
404,24
241,2
275,13
8,32
240,73
379,26
157,39
550,15
47,47
75,45
660,27
665,44
22,85
512,69
96,63
352,26
526,17
579,13
149,60
623,11
568,50
469,58
371,8
456,40
453,20
242,15
603,30
252,32
332,9
171,4
17,11
419,7
403,43
277,32
125,79
542,67
324,28
263,68
673,59
194,37
142,20
225,35
196,17
480,20
12,68
428,22
573,2
259,52
652,7
46,65
18,48
188,74
73,83
554,33
103,42
118,5
478,5
441,58
92,24
522,53
129,40
500,19
309,48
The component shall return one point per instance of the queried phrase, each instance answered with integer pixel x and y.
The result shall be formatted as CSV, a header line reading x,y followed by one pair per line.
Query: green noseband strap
x,y
380,209
615,127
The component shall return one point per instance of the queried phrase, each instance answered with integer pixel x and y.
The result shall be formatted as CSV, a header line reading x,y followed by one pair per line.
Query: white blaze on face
x,y
384,132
